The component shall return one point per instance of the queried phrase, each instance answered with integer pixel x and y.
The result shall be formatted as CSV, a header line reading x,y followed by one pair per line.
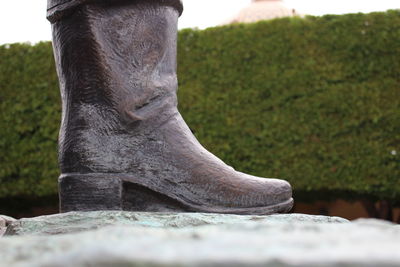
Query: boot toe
x,y
276,191
263,196
262,192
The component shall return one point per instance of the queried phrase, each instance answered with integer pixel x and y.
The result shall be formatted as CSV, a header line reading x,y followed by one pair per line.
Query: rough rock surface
x,y
80,221
4,222
3,226
161,239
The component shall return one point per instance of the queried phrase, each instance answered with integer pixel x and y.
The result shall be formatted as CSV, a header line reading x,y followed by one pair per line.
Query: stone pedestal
x,y
188,239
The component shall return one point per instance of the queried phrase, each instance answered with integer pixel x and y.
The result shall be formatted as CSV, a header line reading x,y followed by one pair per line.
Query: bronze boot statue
x,y
123,144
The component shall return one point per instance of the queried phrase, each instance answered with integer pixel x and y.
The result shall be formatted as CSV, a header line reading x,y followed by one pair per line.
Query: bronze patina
x,y
123,144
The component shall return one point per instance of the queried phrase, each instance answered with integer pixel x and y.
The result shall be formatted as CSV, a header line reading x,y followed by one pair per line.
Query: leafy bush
x,y
313,100
30,114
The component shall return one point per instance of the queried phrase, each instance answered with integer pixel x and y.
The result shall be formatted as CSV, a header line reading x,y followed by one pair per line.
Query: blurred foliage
x,y
30,114
313,100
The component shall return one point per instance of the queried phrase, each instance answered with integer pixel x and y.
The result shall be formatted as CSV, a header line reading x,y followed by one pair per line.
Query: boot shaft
x,y
117,70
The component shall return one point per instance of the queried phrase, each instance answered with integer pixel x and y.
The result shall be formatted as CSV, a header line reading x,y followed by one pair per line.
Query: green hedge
x,y
313,100
30,114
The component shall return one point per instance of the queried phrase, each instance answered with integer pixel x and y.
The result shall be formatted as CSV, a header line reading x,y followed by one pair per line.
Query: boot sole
x,y
89,192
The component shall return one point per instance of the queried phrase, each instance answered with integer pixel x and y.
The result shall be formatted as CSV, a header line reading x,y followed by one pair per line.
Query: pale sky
x,y
24,20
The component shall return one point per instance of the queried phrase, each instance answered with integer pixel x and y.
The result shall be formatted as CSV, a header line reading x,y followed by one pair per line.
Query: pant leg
x,y
57,9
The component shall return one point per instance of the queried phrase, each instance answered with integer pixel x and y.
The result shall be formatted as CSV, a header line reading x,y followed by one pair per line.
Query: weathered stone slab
x,y
80,221
151,239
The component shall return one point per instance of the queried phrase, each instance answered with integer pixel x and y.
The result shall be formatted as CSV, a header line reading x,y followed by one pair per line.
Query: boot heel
x,y
88,192
102,191
136,197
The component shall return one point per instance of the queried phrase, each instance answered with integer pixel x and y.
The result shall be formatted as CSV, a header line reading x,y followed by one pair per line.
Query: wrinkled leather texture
x,y
117,71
